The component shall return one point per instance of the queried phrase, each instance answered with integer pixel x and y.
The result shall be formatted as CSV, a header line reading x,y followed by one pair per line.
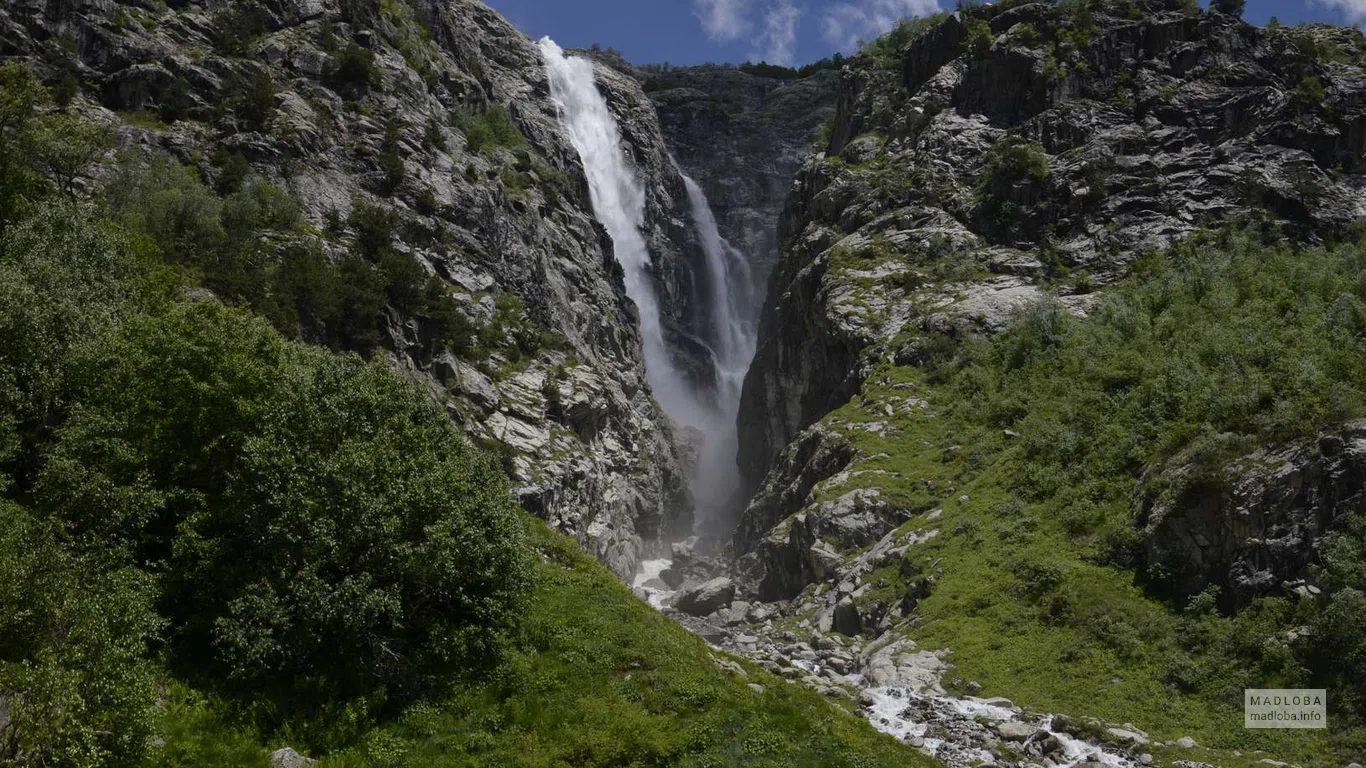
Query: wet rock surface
x,y
742,137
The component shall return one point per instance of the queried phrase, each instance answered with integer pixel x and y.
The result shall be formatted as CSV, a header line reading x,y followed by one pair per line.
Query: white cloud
x,y
847,23
1354,10
722,20
778,42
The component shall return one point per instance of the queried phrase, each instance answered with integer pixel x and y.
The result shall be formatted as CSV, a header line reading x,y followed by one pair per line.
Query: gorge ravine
x,y
946,727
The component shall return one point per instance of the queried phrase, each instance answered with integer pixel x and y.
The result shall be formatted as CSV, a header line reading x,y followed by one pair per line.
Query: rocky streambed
x,y
896,684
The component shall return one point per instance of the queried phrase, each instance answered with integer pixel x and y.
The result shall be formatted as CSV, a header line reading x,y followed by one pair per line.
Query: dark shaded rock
x,y
1253,527
847,620
742,138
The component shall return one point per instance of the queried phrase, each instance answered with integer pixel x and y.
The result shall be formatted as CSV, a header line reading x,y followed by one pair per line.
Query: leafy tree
x,y
1229,7
20,96
175,101
251,97
325,532
391,156
66,146
239,24
73,642
63,281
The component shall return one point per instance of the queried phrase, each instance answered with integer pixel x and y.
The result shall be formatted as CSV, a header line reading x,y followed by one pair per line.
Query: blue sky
x,y
781,31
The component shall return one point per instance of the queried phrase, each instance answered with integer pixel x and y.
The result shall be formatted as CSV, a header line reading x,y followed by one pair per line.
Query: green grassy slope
x,y
596,678
602,679
1031,446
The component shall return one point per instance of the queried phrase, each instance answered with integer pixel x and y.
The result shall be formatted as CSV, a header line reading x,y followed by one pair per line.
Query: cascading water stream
x,y
619,203
732,336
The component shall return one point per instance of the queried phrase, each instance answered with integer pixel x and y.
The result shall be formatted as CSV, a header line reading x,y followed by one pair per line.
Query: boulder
x,y
847,621
1014,730
673,577
1127,737
288,758
708,598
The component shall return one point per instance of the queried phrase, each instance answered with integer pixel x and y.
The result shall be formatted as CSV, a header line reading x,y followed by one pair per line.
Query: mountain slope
x,y
216,539
422,137
1043,369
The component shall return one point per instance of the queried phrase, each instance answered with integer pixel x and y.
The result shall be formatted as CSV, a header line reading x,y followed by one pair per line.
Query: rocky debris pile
x,y
897,686
969,731
437,115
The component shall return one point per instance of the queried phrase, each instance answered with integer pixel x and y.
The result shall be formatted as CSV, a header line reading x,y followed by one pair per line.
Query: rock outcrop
x,y
1014,151
1253,528
401,105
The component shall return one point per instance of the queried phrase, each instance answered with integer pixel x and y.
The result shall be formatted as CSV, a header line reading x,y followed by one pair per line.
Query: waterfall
x,y
733,336
618,199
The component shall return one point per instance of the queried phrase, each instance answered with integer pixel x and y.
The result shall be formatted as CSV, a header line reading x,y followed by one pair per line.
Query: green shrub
x,y
374,226
491,130
355,71
386,570
1310,92
251,98
1014,173
66,89
391,157
73,644
175,101
1229,7
887,50
238,25
979,36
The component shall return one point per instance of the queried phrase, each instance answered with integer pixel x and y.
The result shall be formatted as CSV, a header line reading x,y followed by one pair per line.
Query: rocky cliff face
x,y
742,138
1021,149
1253,528
399,105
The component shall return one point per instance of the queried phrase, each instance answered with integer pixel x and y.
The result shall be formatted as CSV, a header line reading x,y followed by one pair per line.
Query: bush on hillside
x,y
325,532
355,71
1013,178
491,130
1229,7
238,25
74,672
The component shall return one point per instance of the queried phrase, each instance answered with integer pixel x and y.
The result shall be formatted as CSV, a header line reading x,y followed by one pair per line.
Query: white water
x,y
649,572
732,338
888,704
619,203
